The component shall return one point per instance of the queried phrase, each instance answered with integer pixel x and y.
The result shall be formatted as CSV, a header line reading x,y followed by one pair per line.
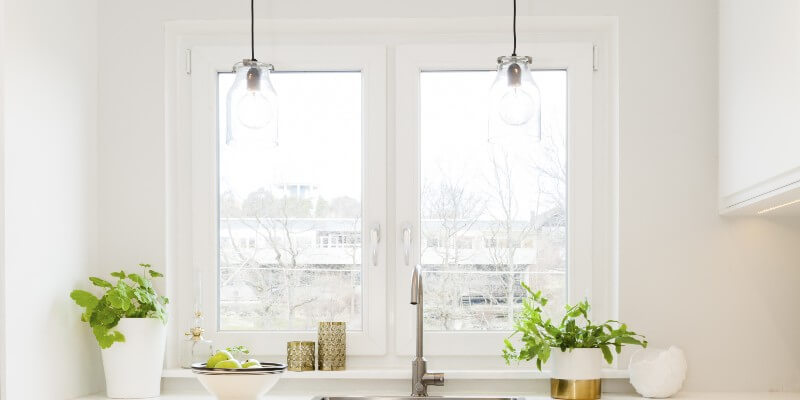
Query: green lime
x,y
232,364
220,355
251,363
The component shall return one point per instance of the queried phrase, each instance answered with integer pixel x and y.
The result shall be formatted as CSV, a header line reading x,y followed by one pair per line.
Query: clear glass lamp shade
x,y
252,103
515,99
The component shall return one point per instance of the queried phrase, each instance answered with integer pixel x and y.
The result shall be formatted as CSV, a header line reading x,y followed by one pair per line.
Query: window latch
x,y
375,239
188,61
406,245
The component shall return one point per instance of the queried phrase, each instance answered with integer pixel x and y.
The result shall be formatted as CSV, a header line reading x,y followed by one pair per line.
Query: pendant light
x,y
252,103
514,97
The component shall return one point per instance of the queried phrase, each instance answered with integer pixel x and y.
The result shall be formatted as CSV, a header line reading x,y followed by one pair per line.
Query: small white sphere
x,y
658,373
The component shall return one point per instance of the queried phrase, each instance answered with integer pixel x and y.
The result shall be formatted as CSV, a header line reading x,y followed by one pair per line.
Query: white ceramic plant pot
x,y
576,364
576,373
133,367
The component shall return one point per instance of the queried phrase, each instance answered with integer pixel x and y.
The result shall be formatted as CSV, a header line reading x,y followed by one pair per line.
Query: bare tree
x,y
509,229
276,226
452,211
270,219
289,230
551,222
550,162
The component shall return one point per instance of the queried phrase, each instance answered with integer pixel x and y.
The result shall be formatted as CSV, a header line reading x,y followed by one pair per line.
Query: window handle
x,y
375,239
406,244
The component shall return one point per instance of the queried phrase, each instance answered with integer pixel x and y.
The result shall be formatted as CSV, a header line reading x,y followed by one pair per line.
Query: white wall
x,y
720,288
50,113
2,207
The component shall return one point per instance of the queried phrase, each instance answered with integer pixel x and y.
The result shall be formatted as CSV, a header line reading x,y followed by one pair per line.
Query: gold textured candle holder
x,y
300,356
331,346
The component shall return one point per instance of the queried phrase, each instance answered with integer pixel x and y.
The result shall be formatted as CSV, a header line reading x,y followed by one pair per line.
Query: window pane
x,y
492,215
290,216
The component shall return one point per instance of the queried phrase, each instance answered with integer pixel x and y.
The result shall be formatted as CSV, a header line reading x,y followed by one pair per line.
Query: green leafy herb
x,y
132,296
238,350
539,335
120,274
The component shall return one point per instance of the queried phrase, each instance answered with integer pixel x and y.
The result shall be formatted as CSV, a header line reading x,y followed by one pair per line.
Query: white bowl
x,y
239,383
234,386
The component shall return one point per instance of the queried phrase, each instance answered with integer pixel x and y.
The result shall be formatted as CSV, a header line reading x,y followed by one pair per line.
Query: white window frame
x,y
207,62
382,39
411,60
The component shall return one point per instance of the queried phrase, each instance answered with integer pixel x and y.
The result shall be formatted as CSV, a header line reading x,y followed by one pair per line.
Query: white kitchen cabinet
x,y
759,107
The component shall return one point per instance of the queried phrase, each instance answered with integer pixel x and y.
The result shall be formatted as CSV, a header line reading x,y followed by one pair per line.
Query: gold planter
x,y
575,389
331,346
300,356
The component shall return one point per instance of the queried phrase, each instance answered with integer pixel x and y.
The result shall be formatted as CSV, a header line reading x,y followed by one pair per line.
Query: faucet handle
x,y
433,378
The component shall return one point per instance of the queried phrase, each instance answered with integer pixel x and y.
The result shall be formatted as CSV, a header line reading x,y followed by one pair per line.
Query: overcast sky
x,y
319,129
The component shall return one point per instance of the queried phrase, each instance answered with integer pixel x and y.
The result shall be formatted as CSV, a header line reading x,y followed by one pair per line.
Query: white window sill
x,y
397,374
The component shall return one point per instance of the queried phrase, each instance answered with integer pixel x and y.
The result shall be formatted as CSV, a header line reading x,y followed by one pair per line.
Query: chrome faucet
x,y
420,377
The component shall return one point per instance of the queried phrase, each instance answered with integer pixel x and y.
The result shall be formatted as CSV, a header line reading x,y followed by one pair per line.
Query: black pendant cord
x,y
253,31
514,25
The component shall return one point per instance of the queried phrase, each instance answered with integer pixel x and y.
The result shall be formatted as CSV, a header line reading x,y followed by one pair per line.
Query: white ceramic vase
x,y
576,364
133,367
657,373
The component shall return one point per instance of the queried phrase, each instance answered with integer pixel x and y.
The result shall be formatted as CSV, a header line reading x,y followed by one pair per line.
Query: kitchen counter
x,y
532,385
606,396
405,373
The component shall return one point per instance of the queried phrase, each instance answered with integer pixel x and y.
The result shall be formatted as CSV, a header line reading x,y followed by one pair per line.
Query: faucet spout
x,y
416,285
416,299
420,377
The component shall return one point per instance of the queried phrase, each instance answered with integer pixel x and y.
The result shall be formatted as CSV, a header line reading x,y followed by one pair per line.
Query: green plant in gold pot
x,y
576,345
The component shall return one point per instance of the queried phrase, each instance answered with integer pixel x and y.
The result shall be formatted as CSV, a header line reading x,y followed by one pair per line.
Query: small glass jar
x,y
195,348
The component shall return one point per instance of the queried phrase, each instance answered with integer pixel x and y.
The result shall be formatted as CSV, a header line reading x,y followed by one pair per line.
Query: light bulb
x,y
252,104
254,110
516,107
515,100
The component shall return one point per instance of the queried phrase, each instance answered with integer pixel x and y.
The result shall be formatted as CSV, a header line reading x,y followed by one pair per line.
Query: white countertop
x,y
179,384
405,373
606,396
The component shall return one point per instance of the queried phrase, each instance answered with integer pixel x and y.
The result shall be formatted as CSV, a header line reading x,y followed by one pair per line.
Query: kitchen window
x,y
473,192
285,197
277,233
501,213
287,236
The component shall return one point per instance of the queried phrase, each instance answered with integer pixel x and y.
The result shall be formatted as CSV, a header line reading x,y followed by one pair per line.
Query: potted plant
x,y
576,345
128,320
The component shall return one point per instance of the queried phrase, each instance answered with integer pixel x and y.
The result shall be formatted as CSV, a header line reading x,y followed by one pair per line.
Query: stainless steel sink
x,y
414,398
